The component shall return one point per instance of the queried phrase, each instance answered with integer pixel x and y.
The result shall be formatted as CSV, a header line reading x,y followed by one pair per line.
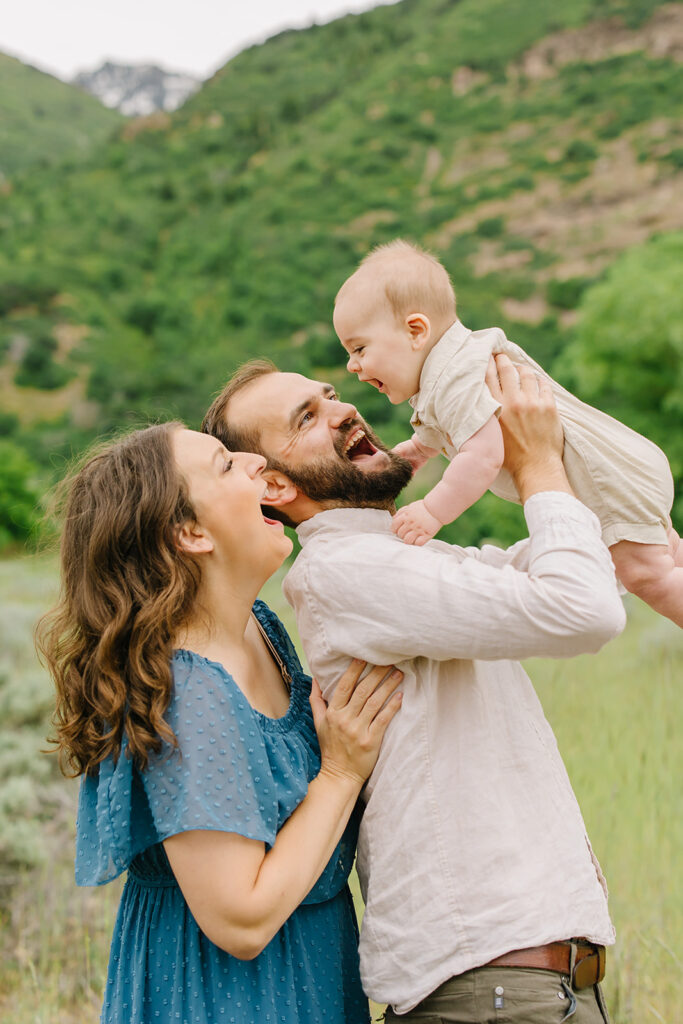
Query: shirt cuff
x,y
546,505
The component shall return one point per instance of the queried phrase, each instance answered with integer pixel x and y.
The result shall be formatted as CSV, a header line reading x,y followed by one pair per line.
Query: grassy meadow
x,y
617,717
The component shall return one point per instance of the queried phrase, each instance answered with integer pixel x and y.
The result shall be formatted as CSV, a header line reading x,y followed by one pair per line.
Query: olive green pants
x,y
506,995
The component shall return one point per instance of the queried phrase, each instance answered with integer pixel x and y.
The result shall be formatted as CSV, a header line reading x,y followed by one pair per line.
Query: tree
x,y
627,356
19,514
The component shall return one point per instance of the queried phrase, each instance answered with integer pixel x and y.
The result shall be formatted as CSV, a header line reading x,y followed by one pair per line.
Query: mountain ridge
x,y
137,90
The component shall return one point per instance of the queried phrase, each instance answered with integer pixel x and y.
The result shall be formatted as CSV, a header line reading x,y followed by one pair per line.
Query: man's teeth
x,y
353,439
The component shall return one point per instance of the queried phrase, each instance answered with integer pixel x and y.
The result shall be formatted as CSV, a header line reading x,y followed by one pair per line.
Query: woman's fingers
x,y
347,684
368,686
382,718
318,704
380,698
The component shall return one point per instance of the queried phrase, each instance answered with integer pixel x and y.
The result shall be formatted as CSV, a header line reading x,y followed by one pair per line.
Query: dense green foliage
x,y
43,120
18,494
628,352
193,242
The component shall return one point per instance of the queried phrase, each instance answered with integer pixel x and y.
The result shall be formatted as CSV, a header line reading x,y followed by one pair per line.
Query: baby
x,y
396,318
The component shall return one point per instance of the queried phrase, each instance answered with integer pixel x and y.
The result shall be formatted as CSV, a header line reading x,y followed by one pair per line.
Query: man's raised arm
x,y
385,601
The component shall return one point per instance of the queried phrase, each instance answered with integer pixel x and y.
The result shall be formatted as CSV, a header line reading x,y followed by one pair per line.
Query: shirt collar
x,y
453,338
344,521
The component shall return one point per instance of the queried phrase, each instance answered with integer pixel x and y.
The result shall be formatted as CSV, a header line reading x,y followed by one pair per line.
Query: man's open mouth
x,y
358,447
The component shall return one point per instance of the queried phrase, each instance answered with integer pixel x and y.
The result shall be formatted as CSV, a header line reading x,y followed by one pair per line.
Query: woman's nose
x,y
254,464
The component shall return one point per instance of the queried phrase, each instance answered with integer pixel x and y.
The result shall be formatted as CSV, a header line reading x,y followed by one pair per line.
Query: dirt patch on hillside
x,y
526,311
661,36
622,202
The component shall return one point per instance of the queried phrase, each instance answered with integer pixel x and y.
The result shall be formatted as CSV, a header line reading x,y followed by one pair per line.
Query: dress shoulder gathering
x,y
236,770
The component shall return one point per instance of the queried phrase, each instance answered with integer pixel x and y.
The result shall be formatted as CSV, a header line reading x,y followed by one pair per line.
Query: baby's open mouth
x,y
358,447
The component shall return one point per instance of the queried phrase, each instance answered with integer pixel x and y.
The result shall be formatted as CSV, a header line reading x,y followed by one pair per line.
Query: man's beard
x,y
340,483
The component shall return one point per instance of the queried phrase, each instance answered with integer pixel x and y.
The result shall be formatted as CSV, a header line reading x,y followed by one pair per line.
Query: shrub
x,y
38,368
565,294
579,150
18,494
491,227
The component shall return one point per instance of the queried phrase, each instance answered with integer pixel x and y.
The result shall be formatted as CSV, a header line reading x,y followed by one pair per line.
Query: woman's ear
x,y
280,490
420,328
192,539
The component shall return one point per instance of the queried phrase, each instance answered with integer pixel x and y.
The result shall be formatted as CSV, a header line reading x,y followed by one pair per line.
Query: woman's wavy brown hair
x,y
126,587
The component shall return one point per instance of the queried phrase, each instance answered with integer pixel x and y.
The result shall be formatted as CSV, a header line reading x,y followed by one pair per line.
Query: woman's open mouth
x,y
358,448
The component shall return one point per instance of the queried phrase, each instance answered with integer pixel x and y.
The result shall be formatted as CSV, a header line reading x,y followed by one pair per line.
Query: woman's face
x,y
226,490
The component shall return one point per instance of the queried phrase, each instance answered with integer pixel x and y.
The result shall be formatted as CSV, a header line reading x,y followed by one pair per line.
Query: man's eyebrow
x,y
326,389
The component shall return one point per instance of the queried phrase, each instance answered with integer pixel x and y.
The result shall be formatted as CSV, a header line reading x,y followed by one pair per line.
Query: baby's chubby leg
x,y
654,573
675,546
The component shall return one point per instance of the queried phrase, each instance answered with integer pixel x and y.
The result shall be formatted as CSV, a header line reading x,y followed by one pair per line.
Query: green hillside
x,y
529,144
43,120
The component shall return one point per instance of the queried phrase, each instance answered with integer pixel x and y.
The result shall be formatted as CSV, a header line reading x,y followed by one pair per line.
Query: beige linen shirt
x,y
621,475
472,842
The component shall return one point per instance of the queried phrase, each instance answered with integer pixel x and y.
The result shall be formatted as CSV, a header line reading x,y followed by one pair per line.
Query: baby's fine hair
x,y
414,280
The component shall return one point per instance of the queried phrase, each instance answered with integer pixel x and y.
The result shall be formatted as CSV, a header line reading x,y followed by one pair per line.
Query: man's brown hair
x,y
215,422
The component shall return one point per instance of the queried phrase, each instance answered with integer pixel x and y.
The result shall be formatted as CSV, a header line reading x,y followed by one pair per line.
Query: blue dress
x,y
239,771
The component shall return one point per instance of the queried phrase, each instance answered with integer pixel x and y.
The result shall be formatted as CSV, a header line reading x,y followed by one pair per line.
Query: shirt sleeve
x,y
394,602
219,778
460,402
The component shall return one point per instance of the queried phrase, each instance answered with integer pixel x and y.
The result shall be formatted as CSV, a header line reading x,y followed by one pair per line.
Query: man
x,y
473,859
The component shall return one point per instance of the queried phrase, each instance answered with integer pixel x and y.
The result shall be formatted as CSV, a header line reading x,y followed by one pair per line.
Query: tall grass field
x,y
617,717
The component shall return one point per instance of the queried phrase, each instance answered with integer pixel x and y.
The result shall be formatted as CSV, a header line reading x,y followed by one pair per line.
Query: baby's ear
x,y
420,329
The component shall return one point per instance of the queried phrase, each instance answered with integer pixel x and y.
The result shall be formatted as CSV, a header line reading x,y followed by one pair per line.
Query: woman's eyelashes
x,y
227,465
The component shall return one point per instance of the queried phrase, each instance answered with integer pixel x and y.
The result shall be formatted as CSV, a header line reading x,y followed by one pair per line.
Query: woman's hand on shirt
x,y
239,893
351,727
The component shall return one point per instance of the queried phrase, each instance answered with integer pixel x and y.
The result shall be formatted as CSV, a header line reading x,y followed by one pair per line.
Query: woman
x,y
182,703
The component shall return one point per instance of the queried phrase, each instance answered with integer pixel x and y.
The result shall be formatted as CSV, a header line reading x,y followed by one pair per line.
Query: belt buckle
x,y
591,970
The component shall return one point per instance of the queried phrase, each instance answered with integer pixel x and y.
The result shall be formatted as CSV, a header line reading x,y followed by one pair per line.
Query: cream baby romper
x,y
624,478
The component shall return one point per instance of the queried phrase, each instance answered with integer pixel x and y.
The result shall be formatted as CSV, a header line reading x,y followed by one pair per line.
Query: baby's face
x,y
381,350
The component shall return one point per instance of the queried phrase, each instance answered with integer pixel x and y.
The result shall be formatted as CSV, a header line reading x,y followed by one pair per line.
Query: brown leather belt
x,y
588,967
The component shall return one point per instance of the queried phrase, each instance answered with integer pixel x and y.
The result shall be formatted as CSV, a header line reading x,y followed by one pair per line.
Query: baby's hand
x,y
414,524
407,450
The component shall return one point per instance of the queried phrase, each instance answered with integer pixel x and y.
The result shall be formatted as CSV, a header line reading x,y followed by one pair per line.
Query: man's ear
x,y
280,491
420,328
192,539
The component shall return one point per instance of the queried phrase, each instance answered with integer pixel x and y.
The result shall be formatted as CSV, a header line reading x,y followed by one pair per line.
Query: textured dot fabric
x,y
236,771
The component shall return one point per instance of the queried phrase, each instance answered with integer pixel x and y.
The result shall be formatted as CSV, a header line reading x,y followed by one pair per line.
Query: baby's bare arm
x,y
415,452
469,475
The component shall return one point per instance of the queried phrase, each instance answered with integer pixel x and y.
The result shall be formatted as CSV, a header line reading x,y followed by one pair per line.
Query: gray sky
x,y
66,36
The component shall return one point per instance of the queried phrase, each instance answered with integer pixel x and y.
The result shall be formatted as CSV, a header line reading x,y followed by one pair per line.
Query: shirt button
x,y
499,990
